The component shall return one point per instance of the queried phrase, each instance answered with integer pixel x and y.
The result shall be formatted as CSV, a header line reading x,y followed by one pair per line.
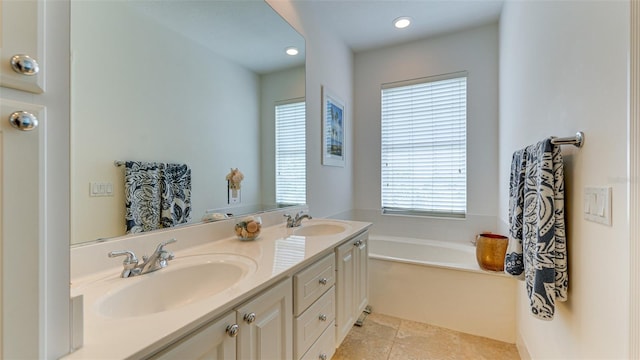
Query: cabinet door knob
x,y
357,243
323,281
322,356
24,64
232,330
249,318
322,317
23,120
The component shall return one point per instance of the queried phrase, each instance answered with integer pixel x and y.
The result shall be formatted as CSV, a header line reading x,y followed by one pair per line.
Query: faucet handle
x,y
163,256
131,257
167,255
170,241
165,243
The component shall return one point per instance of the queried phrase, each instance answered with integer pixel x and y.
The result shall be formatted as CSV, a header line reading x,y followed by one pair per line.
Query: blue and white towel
x,y
514,263
157,195
537,248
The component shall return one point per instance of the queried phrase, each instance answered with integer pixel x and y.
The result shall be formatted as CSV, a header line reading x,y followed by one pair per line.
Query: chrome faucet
x,y
130,264
297,220
158,260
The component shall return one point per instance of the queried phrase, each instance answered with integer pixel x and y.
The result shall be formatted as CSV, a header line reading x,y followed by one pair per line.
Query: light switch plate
x,y
597,204
100,189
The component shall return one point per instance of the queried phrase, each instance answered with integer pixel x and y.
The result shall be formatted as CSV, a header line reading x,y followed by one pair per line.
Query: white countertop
x,y
277,253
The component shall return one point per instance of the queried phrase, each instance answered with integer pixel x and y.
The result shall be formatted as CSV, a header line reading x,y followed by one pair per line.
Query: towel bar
x,y
577,140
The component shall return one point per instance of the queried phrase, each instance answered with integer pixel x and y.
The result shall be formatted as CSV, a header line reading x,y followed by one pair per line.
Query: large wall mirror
x,y
176,81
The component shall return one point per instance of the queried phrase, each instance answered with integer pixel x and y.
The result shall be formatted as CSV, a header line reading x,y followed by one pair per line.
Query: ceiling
x,y
238,26
367,24
247,32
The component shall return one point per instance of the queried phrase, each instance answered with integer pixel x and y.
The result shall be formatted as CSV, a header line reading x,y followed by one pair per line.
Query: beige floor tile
x,y
380,326
483,348
385,320
360,346
388,338
415,332
423,351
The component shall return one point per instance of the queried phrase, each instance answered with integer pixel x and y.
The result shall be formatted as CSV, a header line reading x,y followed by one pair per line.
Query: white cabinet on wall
x,y
35,306
352,283
215,341
22,33
21,154
265,325
22,43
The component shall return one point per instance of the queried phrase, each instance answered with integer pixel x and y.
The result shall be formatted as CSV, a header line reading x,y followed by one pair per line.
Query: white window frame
x,y
290,186
414,128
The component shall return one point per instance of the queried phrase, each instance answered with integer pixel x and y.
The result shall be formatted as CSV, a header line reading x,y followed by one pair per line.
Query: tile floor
x,y
387,338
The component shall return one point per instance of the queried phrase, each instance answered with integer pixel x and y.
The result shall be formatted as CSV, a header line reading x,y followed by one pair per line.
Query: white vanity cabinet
x,y
362,273
259,329
306,315
22,34
215,341
314,306
265,328
352,283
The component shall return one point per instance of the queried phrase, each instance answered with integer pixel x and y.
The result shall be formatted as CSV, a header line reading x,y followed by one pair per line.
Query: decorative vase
x,y
249,228
490,251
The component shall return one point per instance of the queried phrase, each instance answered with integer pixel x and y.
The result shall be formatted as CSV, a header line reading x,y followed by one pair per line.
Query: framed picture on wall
x,y
333,128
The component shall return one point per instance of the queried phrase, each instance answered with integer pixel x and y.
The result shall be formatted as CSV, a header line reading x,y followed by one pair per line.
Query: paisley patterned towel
x,y
537,228
157,195
513,263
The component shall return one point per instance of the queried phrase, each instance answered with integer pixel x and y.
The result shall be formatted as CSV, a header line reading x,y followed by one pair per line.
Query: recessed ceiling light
x,y
402,22
291,51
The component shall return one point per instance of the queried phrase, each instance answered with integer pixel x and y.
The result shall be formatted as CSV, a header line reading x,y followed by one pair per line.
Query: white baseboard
x,y
522,347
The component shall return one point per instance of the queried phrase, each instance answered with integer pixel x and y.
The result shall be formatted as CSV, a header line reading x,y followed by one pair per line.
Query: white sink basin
x,y
319,229
186,280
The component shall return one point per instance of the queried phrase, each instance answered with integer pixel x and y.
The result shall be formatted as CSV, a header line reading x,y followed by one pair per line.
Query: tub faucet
x,y
156,261
297,220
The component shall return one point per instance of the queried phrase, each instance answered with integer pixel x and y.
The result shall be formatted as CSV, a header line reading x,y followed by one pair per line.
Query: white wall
x,y
563,68
329,63
474,50
215,127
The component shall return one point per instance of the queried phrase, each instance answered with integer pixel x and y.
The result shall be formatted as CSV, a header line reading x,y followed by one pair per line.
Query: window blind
x,y
291,184
423,146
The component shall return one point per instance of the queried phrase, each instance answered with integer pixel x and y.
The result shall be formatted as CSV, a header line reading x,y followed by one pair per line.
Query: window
x,y
291,184
423,144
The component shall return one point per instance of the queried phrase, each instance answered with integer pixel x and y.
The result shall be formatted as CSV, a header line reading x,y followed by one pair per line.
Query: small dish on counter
x,y
249,228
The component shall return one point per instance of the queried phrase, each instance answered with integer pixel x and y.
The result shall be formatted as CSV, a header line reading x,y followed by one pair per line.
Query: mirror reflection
x,y
177,82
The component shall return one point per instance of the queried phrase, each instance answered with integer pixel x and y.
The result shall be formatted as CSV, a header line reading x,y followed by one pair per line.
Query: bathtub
x,y
440,283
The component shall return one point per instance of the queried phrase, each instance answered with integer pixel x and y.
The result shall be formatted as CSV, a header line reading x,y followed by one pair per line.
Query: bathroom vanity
x,y
290,294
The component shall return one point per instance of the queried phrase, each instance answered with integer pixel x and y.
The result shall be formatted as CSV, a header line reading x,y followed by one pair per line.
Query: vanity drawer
x,y
310,325
325,347
310,283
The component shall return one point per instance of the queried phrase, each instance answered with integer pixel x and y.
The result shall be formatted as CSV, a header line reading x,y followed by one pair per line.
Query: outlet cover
x,y
234,196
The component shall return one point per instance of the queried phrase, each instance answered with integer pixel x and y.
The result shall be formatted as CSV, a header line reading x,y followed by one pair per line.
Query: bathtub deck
x,y
388,338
